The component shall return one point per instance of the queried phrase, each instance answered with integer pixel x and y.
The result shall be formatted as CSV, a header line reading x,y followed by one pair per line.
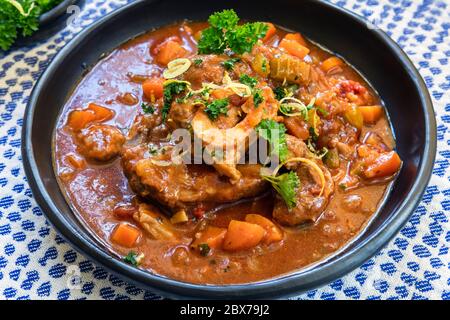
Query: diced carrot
x,y
296,37
273,233
125,235
371,114
270,32
78,119
153,88
331,63
212,236
169,51
101,113
385,165
294,48
242,235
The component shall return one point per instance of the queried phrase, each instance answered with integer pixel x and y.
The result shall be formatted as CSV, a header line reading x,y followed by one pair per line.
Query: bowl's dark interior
x,y
365,49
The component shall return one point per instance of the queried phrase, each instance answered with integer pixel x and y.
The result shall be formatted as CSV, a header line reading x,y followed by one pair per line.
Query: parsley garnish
x,y
198,61
282,92
224,32
216,108
21,18
275,133
229,64
147,108
132,258
286,185
247,80
204,249
171,89
257,97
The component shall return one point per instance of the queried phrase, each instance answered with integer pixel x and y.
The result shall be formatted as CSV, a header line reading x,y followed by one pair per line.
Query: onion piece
x,y
176,68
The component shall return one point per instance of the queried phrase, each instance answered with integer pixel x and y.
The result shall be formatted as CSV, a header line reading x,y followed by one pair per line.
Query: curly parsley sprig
x,y
225,33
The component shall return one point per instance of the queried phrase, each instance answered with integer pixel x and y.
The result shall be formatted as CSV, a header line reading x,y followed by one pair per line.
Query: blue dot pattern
x,y
36,263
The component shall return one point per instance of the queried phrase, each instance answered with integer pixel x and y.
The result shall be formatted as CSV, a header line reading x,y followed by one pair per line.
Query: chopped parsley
x,y
247,80
21,18
225,33
282,92
147,108
286,185
132,258
275,134
257,97
198,61
216,108
204,249
229,64
171,89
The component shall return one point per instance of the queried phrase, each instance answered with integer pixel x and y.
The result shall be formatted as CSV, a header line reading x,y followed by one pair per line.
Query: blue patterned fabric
x,y
36,263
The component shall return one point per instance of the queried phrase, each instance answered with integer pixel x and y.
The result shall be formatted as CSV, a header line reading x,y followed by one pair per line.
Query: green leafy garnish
x,y
275,134
198,61
229,64
171,89
225,33
204,249
247,80
147,108
132,258
216,108
21,18
283,92
257,97
286,185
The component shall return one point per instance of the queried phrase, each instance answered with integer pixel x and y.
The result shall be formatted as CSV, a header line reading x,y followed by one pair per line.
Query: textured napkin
x,y
36,263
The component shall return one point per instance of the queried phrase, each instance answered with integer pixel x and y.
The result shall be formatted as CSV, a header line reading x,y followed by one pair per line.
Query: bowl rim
x,y
286,285
55,12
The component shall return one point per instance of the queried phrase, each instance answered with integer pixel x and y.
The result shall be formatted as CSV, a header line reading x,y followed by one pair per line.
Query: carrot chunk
x,y
331,63
385,165
242,235
78,119
371,114
296,37
168,51
270,32
125,235
294,48
101,113
273,233
153,88
212,236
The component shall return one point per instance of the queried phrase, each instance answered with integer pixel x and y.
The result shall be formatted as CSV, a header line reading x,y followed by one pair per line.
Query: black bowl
x,y
371,51
55,13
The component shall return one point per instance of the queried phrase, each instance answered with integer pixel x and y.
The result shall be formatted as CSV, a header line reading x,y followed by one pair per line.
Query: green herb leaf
x,y
204,249
257,97
171,89
286,185
224,32
229,64
216,108
247,80
147,108
282,92
198,61
132,258
275,133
